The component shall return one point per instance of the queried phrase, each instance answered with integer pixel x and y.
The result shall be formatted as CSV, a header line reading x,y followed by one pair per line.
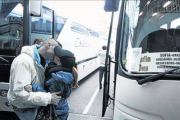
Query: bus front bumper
x,y
4,104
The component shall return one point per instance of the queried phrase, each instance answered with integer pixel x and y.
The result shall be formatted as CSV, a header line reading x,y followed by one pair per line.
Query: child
x,y
61,76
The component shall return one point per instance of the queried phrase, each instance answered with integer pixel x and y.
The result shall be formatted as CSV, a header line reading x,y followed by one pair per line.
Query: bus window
x,y
59,25
150,35
11,28
79,28
93,33
43,24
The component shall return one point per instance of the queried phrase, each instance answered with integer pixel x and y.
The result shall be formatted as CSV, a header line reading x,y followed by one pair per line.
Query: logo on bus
x,y
82,43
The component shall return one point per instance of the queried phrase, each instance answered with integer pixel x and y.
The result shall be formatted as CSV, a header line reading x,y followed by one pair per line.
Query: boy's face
x,y
57,60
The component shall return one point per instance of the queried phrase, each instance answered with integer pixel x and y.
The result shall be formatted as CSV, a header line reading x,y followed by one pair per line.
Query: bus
x,y
147,60
84,43
18,28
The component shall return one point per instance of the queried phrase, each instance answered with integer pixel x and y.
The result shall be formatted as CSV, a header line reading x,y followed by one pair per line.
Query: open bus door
x,y
110,6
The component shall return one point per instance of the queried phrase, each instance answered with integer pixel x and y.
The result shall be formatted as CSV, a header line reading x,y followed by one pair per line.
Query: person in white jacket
x,y
28,68
102,56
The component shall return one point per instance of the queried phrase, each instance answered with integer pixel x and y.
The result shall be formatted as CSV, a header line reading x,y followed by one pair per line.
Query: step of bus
x,y
86,117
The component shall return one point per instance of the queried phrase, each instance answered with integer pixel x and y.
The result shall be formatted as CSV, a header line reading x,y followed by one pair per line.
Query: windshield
x,y
151,35
11,27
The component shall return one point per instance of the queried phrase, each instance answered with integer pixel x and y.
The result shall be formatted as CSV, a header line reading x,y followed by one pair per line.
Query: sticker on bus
x,y
159,62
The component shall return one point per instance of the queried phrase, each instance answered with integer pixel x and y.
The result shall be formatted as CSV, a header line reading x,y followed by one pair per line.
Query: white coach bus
x,y
18,28
84,43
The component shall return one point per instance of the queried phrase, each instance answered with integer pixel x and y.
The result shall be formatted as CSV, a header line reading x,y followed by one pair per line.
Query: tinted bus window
x,y
43,24
59,25
79,28
11,28
151,33
94,33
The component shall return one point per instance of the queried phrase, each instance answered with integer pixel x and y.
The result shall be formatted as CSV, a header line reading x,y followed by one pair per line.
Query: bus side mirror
x,y
35,8
111,5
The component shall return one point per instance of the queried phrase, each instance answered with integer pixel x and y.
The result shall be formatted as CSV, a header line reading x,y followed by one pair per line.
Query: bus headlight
x,y
3,93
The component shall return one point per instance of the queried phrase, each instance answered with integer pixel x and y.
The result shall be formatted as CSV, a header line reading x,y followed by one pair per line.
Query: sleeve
x,y
36,88
22,76
62,77
99,52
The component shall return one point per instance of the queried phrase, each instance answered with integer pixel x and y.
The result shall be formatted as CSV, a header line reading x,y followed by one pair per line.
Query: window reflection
x,y
43,24
11,28
59,25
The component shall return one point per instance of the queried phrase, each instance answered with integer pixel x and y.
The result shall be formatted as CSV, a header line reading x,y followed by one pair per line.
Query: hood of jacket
x,y
53,68
28,50
32,51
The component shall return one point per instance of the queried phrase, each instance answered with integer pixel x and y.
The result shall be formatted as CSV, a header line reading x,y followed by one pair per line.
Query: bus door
x,y
11,35
110,6
11,42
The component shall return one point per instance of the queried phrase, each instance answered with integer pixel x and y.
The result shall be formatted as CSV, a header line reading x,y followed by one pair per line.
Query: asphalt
x,y
81,96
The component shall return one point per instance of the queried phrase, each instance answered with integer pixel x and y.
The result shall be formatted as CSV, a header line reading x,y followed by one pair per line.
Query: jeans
x,y
101,72
26,113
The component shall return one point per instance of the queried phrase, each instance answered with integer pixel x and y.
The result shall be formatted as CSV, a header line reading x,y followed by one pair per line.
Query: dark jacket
x,y
55,82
